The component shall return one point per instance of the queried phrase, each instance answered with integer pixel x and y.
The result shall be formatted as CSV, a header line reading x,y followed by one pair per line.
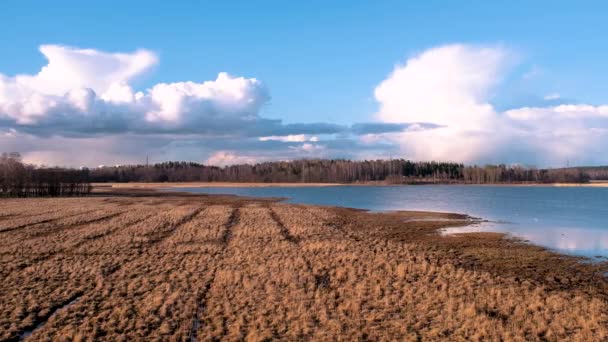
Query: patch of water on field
x,y
591,243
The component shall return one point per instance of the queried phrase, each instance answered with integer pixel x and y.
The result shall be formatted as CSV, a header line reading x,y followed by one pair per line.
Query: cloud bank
x,y
81,109
86,91
452,87
86,97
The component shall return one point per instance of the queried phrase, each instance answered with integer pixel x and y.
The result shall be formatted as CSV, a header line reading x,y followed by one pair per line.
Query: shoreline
x,y
337,259
468,228
459,220
158,185
166,185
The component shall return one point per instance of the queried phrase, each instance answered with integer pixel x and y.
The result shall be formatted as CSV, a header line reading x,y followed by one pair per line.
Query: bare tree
x,y
19,180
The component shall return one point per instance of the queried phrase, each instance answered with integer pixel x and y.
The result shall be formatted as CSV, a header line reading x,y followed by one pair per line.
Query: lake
x,y
572,220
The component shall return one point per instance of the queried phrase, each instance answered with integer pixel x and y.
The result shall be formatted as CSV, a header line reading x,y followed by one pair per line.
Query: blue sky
x,y
322,61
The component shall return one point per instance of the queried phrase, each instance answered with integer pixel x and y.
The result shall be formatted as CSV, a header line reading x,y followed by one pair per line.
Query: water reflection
x,y
579,241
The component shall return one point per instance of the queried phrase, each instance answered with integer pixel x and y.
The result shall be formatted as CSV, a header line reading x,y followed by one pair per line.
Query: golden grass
x,y
207,268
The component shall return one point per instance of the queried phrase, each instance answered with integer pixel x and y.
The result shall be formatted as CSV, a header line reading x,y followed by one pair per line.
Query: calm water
x,y
571,220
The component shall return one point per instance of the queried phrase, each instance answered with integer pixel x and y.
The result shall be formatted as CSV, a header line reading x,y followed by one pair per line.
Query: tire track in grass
x,y
30,235
108,232
233,220
67,249
277,257
296,241
40,321
203,297
53,230
161,236
321,279
282,228
24,212
25,225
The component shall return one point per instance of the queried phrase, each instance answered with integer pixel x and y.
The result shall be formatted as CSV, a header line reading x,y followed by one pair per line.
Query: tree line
x,y
594,172
297,171
20,180
516,174
395,171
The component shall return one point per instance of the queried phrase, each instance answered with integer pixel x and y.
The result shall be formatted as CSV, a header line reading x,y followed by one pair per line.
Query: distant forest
x,y
21,180
396,171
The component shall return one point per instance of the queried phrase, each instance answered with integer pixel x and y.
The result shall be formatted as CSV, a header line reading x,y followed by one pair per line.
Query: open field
x,y
173,267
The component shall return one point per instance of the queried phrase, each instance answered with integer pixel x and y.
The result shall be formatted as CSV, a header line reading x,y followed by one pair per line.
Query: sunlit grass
x,y
178,267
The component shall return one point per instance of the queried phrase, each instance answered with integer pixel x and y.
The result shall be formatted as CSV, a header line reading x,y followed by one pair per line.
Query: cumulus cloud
x,y
308,148
437,105
447,86
452,87
223,158
232,157
84,100
83,91
298,151
290,138
577,133
68,83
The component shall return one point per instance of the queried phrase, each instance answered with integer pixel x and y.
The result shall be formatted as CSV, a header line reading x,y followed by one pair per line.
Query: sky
x,y
519,82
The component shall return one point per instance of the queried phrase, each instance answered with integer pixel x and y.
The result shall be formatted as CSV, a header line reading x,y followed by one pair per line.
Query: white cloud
x,y
308,148
120,92
442,84
223,158
452,86
435,106
575,114
566,132
70,68
553,96
232,157
69,82
83,91
290,138
82,109
227,96
448,86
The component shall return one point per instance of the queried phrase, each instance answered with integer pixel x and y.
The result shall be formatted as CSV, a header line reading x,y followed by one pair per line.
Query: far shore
x,y
156,185
211,184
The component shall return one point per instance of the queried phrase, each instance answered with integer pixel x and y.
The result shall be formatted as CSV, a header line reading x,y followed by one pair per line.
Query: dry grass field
x,y
200,268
